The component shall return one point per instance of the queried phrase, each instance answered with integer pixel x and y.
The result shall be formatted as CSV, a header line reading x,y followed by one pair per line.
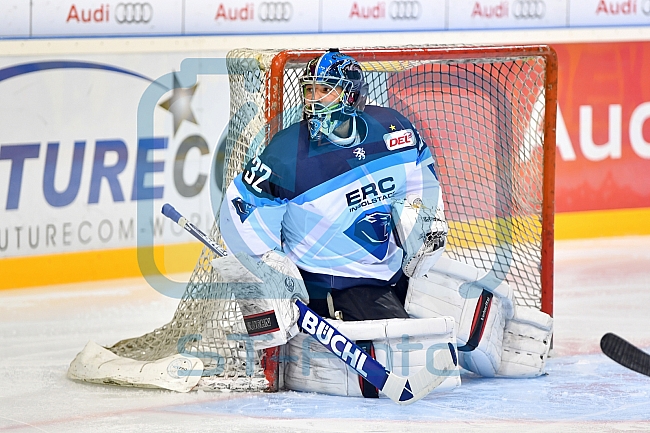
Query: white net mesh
x,y
484,120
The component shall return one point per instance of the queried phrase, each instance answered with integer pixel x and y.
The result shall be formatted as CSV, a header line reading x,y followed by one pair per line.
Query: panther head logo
x,y
372,231
242,208
374,227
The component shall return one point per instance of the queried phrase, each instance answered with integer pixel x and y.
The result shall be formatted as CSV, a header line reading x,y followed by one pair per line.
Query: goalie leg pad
x,y
526,342
515,340
403,346
483,336
455,289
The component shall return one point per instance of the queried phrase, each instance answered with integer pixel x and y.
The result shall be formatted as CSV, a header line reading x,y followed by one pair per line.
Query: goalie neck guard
x,y
333,90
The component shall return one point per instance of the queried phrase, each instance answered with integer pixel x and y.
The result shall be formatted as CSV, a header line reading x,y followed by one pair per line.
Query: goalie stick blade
x,y
625,353
405,391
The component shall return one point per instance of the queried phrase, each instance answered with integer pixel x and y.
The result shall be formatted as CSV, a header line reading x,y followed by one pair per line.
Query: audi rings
x,y
404,10
133,13
275,11
528,9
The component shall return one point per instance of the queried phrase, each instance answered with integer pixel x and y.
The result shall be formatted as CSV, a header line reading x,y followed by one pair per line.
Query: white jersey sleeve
x,y
249,223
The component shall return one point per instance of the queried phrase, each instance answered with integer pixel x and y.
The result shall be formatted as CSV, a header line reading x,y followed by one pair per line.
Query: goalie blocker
x,y
265,291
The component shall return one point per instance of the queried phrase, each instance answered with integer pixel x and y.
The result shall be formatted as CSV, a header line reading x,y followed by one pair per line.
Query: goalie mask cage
x,y
487,113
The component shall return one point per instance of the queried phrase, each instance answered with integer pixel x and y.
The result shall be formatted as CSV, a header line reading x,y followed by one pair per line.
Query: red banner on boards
x,y
603,130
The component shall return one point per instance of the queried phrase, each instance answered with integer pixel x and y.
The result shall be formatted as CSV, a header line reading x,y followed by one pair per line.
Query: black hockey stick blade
x,y
625,353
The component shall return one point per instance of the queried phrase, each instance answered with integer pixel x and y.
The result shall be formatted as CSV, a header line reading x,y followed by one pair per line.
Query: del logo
x,y
399,139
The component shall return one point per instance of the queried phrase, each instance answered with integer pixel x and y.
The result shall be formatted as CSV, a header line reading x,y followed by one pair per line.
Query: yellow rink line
x,y
479,232
568,225
32,271
602,223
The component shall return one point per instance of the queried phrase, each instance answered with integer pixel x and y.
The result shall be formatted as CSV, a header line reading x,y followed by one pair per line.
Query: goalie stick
x,y
401,390
625,353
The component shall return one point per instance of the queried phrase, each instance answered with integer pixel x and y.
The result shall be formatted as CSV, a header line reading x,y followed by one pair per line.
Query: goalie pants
x,y
363,302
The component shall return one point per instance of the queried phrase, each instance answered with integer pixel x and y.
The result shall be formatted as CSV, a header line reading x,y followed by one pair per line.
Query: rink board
x,y
49,222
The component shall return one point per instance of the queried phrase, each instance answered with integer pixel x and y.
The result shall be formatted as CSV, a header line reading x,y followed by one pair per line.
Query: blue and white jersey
x,y
329,207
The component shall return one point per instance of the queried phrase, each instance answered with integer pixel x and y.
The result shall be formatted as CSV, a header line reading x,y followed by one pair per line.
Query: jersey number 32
x,y
258,173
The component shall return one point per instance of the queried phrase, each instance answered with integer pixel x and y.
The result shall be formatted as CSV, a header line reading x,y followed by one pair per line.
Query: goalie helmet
x,y
335,74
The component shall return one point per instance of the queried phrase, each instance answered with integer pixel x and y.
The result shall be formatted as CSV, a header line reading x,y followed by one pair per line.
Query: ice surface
x,y
600,286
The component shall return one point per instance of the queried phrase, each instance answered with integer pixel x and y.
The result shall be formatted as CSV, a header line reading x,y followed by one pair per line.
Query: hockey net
x,y
488,114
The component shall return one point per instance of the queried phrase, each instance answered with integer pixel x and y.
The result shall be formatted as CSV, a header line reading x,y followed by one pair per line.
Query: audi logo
x,y
275,11
528,9
404,10
133,13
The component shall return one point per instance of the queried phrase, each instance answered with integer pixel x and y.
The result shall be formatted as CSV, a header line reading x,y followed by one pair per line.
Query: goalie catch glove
x,y
422,232
265,291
